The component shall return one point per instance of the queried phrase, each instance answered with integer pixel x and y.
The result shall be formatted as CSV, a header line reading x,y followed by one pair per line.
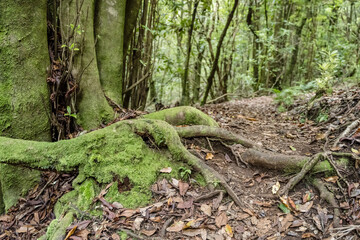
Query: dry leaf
x,y
25,229
128,213
332,179
221,219
320,136
229,230
166,170
84,233
117,205
6,218
148,232
305,207
72,231
206,209
286,222
209,156
137,223
115,236
176,227
308,235
186,204
275,188
292,204
183,187
193,232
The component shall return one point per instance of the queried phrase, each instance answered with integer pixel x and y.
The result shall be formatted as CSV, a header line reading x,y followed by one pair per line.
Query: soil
x,y
180,213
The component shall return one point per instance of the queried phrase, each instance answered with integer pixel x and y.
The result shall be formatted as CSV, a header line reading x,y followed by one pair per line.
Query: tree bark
x,y
210,79
185,82
24,106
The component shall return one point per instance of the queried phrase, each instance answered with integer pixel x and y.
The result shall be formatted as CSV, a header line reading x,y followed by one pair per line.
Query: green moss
x,y
23,89
183,116
13,184
57,228
199,179
123,235
320,167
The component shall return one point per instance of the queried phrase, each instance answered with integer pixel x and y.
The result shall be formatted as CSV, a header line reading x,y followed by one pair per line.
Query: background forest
x,y
270,46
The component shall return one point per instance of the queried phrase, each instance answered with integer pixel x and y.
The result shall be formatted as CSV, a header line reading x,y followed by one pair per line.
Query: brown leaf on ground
x,y
183,187
148,232
209,156
115,236
83,234
186,204
176,227
206,209
72,231
128,213
6,218
221,219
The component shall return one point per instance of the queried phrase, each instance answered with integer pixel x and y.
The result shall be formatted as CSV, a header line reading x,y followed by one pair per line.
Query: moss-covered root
x,y
206,131
183,116
288,163
329,197
57,228
172,140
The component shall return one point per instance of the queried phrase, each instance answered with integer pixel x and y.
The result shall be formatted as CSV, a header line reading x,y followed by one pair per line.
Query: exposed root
x,y
206,131
299,176
342,232
272,160
347,131
329,197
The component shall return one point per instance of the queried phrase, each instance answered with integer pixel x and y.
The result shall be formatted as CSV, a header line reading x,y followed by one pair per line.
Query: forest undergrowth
x,y
322,205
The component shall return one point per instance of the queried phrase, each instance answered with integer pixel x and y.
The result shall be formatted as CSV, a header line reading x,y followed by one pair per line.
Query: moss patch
x,y
183,116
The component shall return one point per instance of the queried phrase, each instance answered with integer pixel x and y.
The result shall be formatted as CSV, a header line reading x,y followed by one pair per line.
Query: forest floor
x,y
185,210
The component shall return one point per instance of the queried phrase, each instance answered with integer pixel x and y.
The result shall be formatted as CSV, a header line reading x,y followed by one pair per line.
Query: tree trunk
x,y
218,49
110,17
93,108
24,106
185,98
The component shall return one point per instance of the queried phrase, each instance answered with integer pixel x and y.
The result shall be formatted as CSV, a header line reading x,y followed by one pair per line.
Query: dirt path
x,y
187,211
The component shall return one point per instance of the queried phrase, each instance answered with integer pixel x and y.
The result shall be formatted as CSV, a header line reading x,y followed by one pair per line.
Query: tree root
x,y
272,160
299,176
207,131
347,131
329,197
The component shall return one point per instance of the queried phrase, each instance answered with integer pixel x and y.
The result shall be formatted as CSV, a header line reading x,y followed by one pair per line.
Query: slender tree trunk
x,y
185,96
210,79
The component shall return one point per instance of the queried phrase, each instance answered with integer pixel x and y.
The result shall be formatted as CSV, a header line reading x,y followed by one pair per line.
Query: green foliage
x,y
68,108
327,68
185,173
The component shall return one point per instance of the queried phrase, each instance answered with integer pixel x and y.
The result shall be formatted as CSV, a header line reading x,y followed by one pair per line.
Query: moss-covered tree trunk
x,y
24,105
92,106
110,18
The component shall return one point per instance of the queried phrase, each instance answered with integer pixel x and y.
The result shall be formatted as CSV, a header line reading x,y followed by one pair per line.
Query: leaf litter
x,y
184,210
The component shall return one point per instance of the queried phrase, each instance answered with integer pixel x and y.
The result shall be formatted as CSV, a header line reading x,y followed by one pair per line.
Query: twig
x,y
52,178
237,156
344,231
211,148
209,195
165,226
346,132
